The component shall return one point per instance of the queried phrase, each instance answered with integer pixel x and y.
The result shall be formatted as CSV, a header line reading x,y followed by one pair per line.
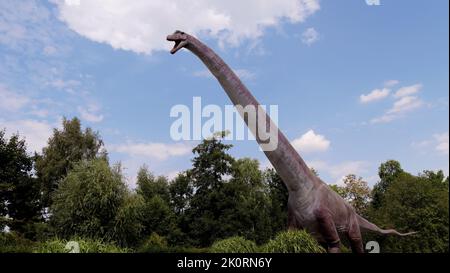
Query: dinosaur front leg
x,y
327,229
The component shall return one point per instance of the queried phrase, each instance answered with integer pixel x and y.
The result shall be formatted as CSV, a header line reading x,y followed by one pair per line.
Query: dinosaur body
x,y
312,204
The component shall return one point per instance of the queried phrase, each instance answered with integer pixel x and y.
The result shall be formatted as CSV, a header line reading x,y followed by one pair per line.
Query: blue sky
x,y
355,84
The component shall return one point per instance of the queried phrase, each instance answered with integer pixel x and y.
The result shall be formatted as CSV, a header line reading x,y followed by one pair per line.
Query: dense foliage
x,y
291,241
70,191
93,202
415,203
65,148
19,192
235,244
298,241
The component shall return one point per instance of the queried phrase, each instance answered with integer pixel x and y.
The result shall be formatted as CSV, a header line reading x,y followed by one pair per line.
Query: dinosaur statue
x,y
312,204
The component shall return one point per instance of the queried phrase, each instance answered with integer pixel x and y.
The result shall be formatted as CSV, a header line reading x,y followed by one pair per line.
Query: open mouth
x,y
178,44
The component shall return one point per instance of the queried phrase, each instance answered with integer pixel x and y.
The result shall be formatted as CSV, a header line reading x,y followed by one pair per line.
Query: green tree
x,y
415,203
338,189
181,191
248,211
65,148
158,215
149,186
210,166
158,218
92,201
357,193
388,172
128,222
211,163
19,190
278,196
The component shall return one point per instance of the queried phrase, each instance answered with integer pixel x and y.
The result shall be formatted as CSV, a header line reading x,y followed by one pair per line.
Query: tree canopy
x,y
70,190
19,190
65,148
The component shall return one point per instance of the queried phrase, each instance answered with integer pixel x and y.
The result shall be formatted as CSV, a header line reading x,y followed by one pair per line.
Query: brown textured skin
x,y
312,204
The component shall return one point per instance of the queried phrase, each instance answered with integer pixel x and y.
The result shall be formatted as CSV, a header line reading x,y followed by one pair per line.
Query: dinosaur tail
x,y
366,225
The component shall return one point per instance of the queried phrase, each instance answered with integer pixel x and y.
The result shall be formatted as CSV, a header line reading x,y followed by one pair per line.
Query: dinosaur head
x,y
180,38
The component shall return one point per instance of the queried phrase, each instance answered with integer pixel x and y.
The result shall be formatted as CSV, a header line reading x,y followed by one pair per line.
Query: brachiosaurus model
x,y
312,204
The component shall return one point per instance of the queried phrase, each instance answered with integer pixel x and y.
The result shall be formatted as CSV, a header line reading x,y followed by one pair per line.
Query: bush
x,y
155,244
185,249
234,245
11,242
298,241
86,246
93,202
128,221
158,244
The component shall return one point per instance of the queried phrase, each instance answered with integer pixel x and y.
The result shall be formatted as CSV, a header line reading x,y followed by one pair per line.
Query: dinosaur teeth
x,y
178,45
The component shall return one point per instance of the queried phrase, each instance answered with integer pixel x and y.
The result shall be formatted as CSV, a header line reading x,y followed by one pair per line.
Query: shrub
x,y
93,202
186,249
86,246
234,245
155,244
128,221
293,241
11,242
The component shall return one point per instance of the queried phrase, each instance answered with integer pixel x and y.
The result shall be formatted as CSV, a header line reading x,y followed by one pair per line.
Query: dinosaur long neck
x,y
287,162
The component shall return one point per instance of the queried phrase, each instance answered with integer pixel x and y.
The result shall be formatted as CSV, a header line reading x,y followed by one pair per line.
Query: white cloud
x,y
37,44
339,171
311,142
383,119
41,113
35,132
405,104
141,25
399,109
90,113
408,90
404,100
441,143
158,151
28,26
64,84
310,36
20,104
375,95
391,83
437,143
11,101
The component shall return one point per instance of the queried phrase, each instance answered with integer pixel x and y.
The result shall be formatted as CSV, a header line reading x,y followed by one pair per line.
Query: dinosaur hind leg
x,y
328,231
355,238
